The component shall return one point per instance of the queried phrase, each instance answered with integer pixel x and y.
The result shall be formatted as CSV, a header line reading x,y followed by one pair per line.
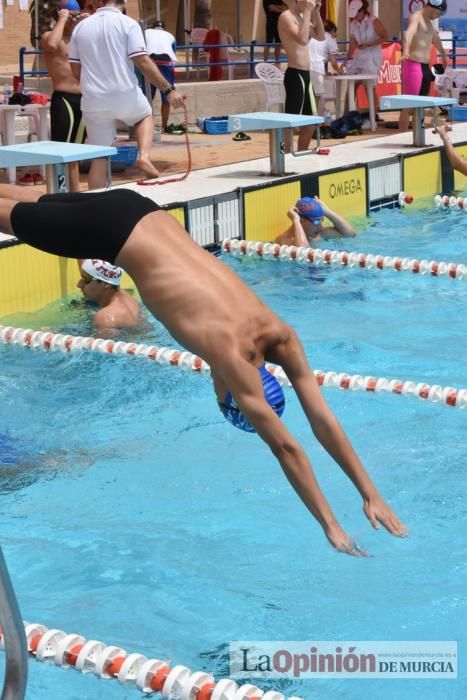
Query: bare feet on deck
x,y
145,165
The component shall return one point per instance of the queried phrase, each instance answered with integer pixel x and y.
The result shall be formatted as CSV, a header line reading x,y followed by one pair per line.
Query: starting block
x,y
418,104
56,156
275,123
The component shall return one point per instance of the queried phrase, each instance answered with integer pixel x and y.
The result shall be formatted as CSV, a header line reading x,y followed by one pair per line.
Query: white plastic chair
x,y
231,55
273,81
198,35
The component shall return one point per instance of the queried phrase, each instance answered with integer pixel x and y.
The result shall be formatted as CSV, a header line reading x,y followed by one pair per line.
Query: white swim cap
x,y
103,271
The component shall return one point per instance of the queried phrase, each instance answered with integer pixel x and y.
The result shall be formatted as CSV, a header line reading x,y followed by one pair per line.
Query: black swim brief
x,y
66,120
81,225
299,98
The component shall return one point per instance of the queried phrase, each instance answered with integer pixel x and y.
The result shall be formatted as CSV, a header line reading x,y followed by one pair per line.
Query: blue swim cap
x,y
70,5
309,208
272,393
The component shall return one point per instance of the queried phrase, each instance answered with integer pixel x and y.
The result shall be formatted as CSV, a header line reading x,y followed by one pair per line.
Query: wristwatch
x,y
168,89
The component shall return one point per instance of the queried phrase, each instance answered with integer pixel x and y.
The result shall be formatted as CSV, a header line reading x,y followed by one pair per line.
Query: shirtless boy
x,y
416,46
307,224
66,120
100,283
297,25
190,291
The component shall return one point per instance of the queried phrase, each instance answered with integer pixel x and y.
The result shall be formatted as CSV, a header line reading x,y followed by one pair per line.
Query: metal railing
x,y
16,648
457,54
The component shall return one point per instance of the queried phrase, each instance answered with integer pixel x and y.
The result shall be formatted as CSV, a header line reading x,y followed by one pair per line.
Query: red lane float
x,y
317,256
404,199
445,201
44,340
148,675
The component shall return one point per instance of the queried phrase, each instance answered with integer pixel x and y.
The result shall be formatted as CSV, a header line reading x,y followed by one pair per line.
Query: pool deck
x,y
247,170
225,178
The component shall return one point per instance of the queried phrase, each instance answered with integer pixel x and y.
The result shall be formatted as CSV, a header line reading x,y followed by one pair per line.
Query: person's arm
x,y
353,46
289,28
408,36
341,227
295,235
153,74
436,41
380,39
317,27
456,161
244,382
51,40
330,434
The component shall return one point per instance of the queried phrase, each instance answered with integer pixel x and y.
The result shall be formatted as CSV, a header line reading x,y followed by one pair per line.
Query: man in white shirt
x,y
161,47
102,55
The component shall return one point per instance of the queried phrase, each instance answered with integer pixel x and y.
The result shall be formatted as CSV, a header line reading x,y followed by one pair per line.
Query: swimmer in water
x,y
211,312
100,283
307,224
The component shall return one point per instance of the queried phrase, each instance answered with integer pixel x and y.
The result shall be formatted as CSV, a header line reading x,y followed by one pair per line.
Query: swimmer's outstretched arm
x,y
330,434
454,158
19,193
243,380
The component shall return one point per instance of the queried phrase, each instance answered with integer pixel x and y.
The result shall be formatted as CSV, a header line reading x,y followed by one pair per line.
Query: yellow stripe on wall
x,y
31,279
422,175
459,179
266,211
345,192
179,214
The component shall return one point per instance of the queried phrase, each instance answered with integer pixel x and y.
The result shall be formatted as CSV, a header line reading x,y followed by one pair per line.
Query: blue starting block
x,y
275,123
55,156
418,104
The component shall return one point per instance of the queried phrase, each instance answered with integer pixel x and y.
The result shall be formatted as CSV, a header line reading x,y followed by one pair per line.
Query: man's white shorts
x,y
128,107
317,81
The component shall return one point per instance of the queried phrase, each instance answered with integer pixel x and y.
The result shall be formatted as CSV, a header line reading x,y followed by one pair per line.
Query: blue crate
x,y
216,125
459,113
125,155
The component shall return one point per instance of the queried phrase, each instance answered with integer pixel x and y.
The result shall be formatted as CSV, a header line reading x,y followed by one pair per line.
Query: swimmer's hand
x,y
379,513
441,130
342,542
293,214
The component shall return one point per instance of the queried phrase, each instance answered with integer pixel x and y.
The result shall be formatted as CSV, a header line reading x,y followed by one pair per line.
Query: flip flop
x,y
38,179
27,179
241,137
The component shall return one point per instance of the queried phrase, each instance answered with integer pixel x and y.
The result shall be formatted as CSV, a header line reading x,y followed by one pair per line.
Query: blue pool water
x,y
132,512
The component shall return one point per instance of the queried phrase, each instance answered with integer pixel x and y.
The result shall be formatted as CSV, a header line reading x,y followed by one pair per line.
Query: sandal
x,y
241,137
38,179
27,179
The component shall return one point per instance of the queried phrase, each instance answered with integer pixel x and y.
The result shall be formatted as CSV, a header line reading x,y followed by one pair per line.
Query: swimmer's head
x,y
311,212
70,5
440,5
272,393
102,271
310,209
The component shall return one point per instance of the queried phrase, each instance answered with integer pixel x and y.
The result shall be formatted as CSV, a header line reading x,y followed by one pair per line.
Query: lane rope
x,y
449,202
341,258
45,340
148,675
142,182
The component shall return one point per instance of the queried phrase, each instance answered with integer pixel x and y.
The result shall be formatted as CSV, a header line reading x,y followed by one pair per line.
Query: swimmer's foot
x,y
145,165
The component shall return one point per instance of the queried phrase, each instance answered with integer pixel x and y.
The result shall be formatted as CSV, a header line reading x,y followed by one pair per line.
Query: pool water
x,y
135,514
